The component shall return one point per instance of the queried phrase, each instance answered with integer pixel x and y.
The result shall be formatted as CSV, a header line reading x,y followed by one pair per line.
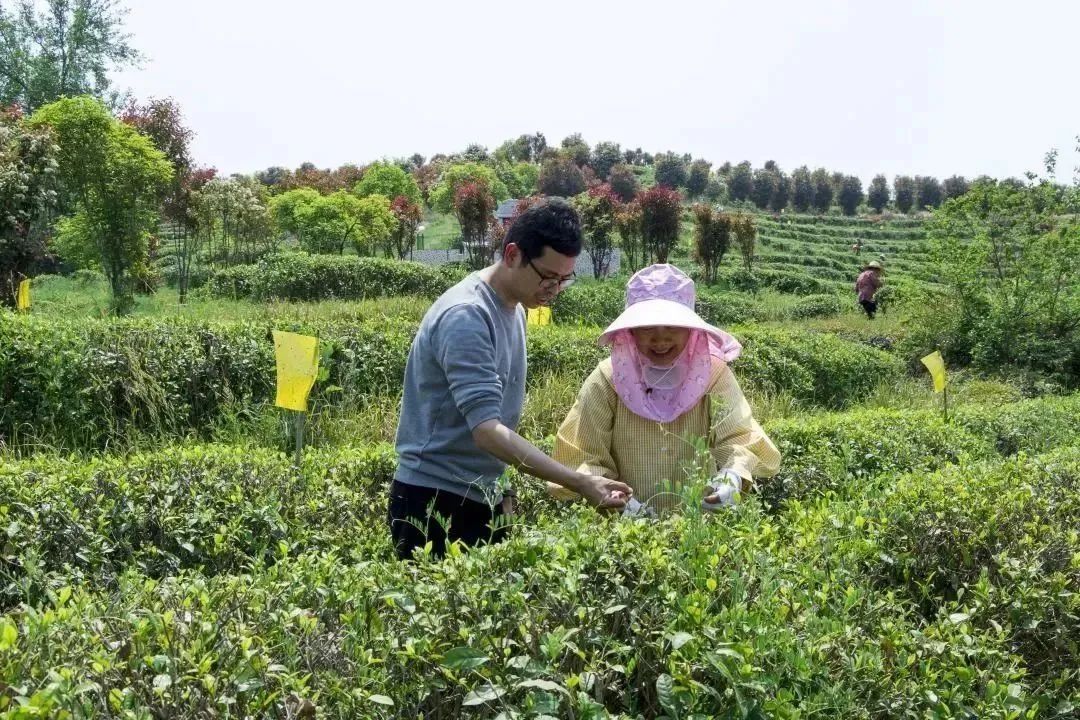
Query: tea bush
x,y
216,508
88,384
600,303
300,276
588,617
814,306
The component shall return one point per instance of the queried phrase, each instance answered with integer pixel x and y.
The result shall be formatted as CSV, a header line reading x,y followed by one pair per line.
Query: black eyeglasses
x,y
550,283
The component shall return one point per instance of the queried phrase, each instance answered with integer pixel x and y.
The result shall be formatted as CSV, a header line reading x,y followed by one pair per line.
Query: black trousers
x,y
417,515
870,306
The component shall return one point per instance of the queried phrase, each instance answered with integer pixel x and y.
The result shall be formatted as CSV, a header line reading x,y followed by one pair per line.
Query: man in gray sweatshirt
x,y
464,389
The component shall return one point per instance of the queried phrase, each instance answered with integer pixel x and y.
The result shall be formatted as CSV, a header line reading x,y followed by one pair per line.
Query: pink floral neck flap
x,y
694,366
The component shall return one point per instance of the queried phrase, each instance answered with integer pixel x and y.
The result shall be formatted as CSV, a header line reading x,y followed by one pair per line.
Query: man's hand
x,y
603,493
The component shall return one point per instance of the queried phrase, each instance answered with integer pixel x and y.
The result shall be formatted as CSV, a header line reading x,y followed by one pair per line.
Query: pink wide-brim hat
x,y
661,295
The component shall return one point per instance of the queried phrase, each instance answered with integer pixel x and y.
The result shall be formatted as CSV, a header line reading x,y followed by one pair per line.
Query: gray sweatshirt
x,y
466,366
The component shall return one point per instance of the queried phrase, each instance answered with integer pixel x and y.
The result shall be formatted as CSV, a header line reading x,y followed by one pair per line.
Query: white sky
x,y
908,86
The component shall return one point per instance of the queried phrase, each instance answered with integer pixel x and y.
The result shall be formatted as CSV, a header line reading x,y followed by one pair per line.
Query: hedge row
x,y
304,277
829,452
878,606
88,384
221,509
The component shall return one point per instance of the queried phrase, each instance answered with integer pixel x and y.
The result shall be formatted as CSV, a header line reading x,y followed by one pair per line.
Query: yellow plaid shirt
x,y
601,436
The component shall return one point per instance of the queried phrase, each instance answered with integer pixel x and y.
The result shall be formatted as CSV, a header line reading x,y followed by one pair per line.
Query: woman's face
x,y
661,344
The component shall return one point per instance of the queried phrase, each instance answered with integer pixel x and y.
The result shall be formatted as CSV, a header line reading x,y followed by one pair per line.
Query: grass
x,y
440,230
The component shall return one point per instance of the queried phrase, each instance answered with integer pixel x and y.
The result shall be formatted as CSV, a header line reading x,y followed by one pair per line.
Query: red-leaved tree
x,y
408,215
474,206
661,212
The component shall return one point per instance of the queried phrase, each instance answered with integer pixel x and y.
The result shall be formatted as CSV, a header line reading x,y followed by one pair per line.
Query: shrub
x,y
302,277
814,306
93,384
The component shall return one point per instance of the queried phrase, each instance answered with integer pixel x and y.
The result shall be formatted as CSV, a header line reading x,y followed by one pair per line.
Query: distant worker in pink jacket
x,y
867,285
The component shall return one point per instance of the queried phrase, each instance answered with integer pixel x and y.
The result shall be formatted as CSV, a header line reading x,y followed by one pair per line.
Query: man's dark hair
x,y
552,223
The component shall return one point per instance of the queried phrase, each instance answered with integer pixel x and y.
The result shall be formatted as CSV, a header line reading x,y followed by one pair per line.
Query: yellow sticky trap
x,y
936,365
538,316
22,300
297,367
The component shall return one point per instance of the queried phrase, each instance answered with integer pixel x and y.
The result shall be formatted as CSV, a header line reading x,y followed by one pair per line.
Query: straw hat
x,y
661,295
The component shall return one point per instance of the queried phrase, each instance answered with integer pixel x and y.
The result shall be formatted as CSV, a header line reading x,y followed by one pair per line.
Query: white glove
x,y
725,486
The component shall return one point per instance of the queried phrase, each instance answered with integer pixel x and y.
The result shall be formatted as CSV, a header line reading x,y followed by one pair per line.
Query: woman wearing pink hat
x,y
667,382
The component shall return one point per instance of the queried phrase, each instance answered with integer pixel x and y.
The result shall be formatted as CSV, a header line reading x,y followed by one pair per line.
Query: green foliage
x,y
671,171
878,195
27,179
326,223
114,178
455,176
561,177
575,148
823,190
904,192
388,180
598,304
303,277
741,182
802,190
1009,258
928,193
661,214
815,306
744,230
850,195
697,178
605,156
624,182
65,49
598,209
88,384
764,187
712,237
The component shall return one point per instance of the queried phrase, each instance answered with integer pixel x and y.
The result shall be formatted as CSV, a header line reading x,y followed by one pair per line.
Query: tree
x,y
823,190
561,177
878,196
161,120
698,178
904,192
407,215
272,176
714,189
66,50
624,182
764,187
628,225
851,194
285,211
741,184
605,156
233,221
426,177
781,192
115,178
744,230
927,192
454,176
802,190
180,208
670,170
1009,258
474,206
712,236
598,208
575,148
387,180
28,163
661,213
955,186
475,153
